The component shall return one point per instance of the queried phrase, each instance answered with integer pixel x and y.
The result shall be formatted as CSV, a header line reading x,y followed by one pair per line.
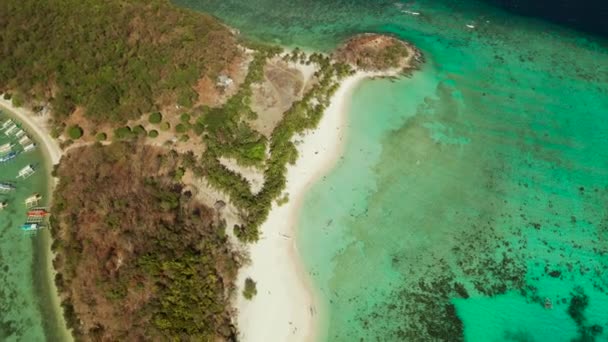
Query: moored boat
x,y
26,172
8,157
37,212
28,227
6,187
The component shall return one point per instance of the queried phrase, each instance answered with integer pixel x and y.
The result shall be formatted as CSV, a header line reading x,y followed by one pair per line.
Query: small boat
x,y
471,26
24,140
5,148
32,200
410,12
28,227
8,157
29,147
6,124
10,129
26,172
3,205
6,187
548,304
37,212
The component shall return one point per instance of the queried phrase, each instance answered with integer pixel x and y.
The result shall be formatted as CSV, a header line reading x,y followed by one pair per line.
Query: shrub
x,y
18,100
198,128
139,130
75,132
153,133
184,138
250,289
181,128
7,96
165,126
155,118
101,136
123,133
185,118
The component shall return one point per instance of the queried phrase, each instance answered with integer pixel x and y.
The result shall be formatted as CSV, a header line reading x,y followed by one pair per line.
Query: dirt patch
x,y
283,84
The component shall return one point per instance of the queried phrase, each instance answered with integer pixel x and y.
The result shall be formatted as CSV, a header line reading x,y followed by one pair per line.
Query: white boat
x,y
471,26
5,187
23,141
5,148
33,200
29,147
6,124
26,172
410,12
10,129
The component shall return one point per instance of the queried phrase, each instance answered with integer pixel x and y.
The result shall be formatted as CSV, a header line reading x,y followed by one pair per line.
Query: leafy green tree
x,y
181,128
101,136
75,132
155,118
250,289
153,133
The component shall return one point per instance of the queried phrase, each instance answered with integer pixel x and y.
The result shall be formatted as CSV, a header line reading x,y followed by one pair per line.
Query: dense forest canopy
x,y
138,258
116,58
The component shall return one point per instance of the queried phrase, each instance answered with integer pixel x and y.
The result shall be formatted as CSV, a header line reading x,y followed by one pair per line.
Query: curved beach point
x,y
285,307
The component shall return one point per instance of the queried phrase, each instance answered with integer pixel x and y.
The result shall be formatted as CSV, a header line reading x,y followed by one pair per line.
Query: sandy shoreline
x,y
285,308
37,127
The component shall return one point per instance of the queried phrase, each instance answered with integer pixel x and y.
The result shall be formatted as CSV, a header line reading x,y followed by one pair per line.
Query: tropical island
x,y
181,145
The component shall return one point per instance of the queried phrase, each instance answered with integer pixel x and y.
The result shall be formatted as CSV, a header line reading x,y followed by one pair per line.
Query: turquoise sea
x,y
27,311
471,202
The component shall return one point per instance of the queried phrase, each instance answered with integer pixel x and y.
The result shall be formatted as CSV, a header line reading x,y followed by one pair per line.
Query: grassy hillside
x,y
138,258
115,58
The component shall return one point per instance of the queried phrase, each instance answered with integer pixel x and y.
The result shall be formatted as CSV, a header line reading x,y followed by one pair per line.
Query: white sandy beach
x,y
38,126
284,308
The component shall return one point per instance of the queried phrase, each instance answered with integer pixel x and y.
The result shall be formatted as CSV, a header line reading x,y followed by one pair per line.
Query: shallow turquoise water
x,y
26,309
468,195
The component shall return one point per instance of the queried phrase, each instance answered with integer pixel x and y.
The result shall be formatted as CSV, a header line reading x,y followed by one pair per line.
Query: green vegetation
x,y
185,118
155,118
250,289
181,128
227,134
153,133
165,126
138,258
117,59
140,130
124,133
75,132
101,136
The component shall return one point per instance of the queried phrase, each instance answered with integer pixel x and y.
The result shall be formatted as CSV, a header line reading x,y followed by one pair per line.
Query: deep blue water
x,y
590,16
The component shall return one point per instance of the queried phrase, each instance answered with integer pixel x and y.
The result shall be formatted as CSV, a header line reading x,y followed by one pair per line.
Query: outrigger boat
x,y
24,140
37,212
26,172
33,200
28,227
6,187
6,148
29,147
10,129
8,157
6,124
